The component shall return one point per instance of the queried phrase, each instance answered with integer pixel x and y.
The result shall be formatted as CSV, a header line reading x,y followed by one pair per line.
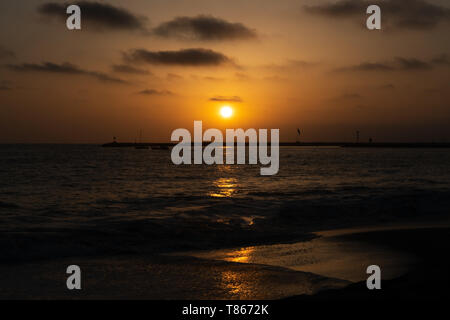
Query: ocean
x,y
76,200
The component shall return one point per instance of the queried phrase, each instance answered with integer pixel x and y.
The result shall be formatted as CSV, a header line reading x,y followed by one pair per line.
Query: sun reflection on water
x,y
242,255
224,188
236,284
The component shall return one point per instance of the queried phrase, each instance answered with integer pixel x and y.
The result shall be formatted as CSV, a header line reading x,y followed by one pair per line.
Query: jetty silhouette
x,y
166,145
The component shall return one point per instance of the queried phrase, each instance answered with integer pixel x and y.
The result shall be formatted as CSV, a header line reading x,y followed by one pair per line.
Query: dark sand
x,y
157,277
427,278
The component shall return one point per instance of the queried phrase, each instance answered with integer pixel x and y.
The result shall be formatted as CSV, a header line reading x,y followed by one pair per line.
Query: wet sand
x,y
414,258
426,278
158,277
332,257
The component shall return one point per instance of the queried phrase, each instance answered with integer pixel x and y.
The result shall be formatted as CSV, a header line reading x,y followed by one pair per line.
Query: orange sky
x,y
282,64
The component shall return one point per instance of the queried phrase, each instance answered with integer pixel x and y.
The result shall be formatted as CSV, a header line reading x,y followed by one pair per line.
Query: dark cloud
x,y
366,66
346,97
443,59
174,77
205,28
388,86
412,64
301,63
153,92
184,57
241,76
290,65
209,78
100,16
398,64
48,67
5,53
226,99
343,8
65,68
123,68
275,78
105,78
399,14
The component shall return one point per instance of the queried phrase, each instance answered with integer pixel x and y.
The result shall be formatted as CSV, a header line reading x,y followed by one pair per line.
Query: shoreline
x,y
180,276
158,278
426,278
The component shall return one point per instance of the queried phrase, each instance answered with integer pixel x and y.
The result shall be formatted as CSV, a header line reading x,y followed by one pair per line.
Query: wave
x,y
8,205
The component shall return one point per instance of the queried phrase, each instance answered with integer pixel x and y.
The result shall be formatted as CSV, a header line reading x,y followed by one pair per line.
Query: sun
x,y
226,112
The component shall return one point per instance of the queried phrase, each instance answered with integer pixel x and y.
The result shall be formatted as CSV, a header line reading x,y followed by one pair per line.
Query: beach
x,y
321,268
141,228
425,279
224,150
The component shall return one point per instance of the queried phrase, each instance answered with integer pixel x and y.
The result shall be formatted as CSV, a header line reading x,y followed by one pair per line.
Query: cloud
x,y
366,66
122,68
203,27
174,77
412,64
290,65
241,76
48,67
346,97
443,59
398,14
209,78
65,68
387,86
153,92
184,57
99,16
397,64
5,53
275,78
105,78
226,99
341,8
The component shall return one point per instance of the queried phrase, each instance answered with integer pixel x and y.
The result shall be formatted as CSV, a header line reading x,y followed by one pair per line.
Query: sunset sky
x,y
158,65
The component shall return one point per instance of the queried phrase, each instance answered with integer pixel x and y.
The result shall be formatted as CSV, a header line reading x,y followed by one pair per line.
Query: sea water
x,y
63,200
